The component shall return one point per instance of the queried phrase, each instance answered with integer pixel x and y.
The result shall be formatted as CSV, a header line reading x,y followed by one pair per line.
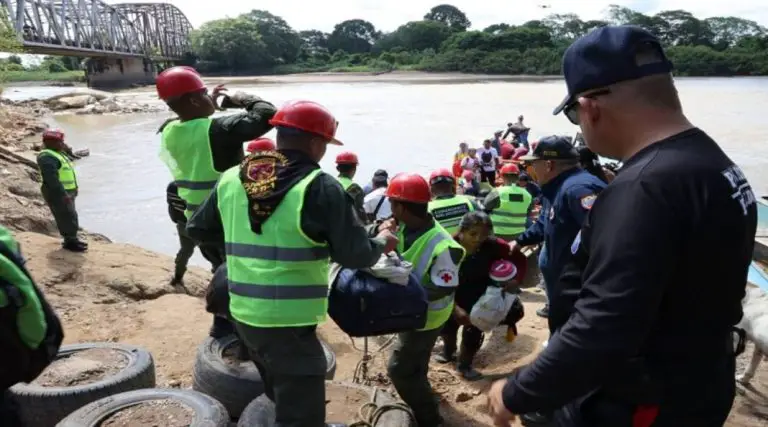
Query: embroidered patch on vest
x,y
588,201
260,176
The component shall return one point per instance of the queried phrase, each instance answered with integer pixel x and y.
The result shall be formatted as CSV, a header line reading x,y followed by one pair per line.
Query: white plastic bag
x,y
491,309
392,269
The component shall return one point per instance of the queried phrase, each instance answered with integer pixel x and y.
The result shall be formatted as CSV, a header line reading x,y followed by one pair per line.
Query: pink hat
x,y
503,270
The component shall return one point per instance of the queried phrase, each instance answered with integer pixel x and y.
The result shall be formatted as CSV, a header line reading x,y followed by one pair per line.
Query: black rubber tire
x,y
261,412
40,406
235,386
208,412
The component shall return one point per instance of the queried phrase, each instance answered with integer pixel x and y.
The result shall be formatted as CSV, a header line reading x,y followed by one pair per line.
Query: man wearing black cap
x,y
567,195
376,204
645,319
369,186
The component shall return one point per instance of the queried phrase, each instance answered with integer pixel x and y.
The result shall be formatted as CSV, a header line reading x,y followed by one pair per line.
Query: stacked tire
x,y
234,383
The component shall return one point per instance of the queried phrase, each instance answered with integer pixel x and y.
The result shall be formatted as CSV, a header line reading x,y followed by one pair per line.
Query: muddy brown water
x,y
155,413
412,124
342,404
82,367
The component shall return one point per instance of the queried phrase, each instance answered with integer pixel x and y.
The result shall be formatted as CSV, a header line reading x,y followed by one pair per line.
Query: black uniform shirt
x,y
660,270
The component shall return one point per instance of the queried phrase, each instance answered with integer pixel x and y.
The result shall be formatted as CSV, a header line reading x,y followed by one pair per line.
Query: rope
x,y
360,375
370,413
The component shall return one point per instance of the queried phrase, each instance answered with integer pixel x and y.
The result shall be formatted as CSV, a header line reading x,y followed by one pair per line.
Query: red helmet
x,y
307,116
510,169
260,144
441,175
177,81
347,158
53,135
409,187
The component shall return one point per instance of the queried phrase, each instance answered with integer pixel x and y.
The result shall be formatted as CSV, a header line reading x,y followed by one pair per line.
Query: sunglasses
x,y
572,110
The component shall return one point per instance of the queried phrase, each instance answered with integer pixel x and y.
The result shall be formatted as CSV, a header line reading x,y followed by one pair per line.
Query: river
x,y
397,126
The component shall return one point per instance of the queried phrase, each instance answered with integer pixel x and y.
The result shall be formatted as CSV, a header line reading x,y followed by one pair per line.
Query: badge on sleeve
x,y
588,201
576,243
446,276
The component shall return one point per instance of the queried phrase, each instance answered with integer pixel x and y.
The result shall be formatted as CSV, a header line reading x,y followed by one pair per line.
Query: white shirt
x,y
444,272
488,167
468,163
372,200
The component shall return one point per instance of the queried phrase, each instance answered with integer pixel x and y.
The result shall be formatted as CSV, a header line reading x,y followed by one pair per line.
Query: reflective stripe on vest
x,y
66,170
421,253
510,217
449,212
278,278
186,150
345,182
31,322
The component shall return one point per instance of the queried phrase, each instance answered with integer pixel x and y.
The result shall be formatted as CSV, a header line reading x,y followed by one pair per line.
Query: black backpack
x,y
487,157
18,361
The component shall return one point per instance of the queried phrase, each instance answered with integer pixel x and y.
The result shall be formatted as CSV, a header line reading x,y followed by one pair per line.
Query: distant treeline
x,y
260,42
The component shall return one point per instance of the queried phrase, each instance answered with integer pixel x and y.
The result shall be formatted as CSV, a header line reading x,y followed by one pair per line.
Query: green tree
x,y
726,31
282,43
450,16
14,59
353,36
416,35
232,42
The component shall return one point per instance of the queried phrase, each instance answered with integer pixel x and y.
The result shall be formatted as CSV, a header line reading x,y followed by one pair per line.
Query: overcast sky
x,y
387,15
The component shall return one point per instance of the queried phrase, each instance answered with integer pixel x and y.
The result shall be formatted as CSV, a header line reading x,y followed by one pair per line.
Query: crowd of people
x,y
620,254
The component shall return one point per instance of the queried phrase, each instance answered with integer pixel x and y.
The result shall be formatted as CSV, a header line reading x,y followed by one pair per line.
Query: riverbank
x,y
398,76
41,77
119,292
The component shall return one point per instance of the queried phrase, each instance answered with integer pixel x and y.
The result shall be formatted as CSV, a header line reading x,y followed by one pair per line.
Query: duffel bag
x,y
364,306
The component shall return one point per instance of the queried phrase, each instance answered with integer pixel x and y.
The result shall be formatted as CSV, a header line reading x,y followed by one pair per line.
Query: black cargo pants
x,y
408,368
292,364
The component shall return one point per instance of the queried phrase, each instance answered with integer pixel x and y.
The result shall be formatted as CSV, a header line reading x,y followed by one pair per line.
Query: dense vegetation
x,y
260,42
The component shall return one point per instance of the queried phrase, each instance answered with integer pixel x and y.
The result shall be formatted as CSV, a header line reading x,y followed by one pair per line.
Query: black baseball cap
x,y
552,148
606,56
380,177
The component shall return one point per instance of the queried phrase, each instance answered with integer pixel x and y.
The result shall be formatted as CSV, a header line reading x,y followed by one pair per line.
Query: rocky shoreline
x,y
84,101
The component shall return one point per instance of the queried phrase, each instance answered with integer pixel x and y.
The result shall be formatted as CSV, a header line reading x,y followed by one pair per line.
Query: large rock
x,y
68,103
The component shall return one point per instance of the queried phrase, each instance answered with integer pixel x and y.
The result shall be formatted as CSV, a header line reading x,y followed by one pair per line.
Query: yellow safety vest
x,y
66,170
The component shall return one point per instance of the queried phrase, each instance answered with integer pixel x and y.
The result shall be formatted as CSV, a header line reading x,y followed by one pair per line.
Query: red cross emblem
x,y
446,277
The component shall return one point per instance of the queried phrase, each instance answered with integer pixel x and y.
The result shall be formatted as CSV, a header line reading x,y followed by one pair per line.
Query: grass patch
x,y
42,76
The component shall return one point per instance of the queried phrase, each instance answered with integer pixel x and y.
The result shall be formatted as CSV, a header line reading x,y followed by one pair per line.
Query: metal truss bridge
x,y
92,28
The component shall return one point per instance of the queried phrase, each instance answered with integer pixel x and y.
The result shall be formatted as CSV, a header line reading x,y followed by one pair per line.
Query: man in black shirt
x,y
647,308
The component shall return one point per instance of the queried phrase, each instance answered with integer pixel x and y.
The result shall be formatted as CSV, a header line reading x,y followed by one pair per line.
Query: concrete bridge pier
x,y
119,73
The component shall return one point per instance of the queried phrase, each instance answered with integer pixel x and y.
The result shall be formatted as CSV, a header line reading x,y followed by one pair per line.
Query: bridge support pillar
x,y
118,73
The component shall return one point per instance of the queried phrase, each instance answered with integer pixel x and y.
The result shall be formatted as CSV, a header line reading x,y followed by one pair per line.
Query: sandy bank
x,y
118,292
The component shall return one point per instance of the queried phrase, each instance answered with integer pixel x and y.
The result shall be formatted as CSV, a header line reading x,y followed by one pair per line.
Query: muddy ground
x,y
121,293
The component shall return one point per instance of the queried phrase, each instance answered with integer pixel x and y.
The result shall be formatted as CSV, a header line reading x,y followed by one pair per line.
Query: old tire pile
x,y
206,411
261,411
235,385
41,406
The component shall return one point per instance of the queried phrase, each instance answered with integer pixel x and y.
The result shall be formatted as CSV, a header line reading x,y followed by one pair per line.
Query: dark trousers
x,y
489,177
471,340
186,249
408,367
292,364
8,413
64,214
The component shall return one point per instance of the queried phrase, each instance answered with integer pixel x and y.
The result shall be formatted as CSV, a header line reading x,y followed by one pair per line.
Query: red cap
x,y
409,187
503,270
309,117
347,158
510,169
53,135
260,144
178,81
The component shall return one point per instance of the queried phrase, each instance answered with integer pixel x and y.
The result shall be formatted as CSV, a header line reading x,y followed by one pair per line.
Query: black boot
x,y
543,312
537,419
448,354
75,245
466,356
221,327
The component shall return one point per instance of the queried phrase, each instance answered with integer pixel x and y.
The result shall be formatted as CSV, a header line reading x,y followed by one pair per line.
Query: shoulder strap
x,y
378,205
